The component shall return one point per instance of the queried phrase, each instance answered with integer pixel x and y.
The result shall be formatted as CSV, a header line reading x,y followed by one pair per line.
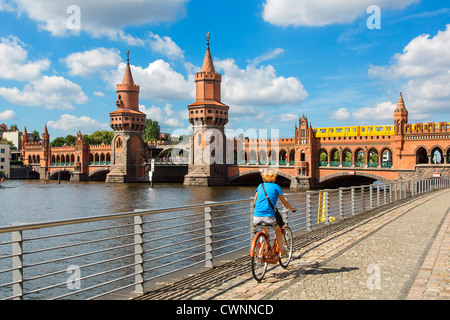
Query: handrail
x,y
128,252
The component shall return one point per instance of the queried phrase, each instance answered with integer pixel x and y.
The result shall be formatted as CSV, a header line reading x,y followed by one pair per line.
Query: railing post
x,y
371,196
138,255
327,207
395,191
308,211
363,201
378,195
208,238
384,193
341,203
252,225
353,201
405,189
17,264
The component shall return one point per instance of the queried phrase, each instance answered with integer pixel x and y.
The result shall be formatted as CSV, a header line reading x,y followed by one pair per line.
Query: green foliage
x,y
11,144
96,138
58,142
99,136
36,136
151,131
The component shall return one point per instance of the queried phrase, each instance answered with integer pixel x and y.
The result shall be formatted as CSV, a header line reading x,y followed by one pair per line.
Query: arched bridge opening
x,y
253,178
99,175
333,181
61,174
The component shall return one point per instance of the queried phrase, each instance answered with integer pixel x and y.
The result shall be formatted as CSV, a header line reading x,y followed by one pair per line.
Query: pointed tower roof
x,y
400,103
25,130
128,77
45,129
208,65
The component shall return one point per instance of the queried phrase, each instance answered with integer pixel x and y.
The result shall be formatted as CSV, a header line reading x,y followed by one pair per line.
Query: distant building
x,y
3,128
16,137
5,157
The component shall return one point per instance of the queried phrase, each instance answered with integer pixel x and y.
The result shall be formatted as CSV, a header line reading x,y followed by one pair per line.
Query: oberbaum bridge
x,y
312,158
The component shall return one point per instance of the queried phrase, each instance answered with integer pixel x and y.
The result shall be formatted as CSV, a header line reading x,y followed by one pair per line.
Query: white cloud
x,y
287,117
70,123
99,17
382,111
258,86
322,12
7,115
423,68
164,115
159,81
267,56
165,46
92,62
99,94
341,114
53,92
14,64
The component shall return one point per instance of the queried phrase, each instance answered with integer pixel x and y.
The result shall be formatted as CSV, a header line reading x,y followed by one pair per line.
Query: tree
x,y
58,142
100,136
151,131
11,144
13,127
36,136
70,140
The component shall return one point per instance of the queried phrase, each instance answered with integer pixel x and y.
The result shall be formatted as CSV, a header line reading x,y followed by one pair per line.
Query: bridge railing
x,y
92,257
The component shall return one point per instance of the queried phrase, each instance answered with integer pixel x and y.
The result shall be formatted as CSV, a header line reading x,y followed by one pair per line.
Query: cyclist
x,y
263,212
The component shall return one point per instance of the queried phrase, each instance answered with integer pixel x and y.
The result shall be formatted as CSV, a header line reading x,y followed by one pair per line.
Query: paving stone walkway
x,y
399,252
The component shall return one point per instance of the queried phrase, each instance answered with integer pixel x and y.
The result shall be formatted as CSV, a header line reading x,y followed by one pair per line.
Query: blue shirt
x,y
262,206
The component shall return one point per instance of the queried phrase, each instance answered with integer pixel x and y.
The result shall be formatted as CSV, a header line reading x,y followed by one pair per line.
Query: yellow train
x,y
354,131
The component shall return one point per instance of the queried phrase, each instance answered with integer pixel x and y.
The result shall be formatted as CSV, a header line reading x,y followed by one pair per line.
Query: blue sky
x,y
279,59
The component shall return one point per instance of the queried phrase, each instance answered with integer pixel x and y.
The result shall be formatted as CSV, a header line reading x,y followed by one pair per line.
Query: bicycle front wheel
x,y
287,246
258,266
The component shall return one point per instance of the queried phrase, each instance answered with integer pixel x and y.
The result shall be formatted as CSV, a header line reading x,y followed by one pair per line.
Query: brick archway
x,y
258,171
357,173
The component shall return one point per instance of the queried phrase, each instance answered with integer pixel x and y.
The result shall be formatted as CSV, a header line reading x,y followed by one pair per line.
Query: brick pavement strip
x,y
376,258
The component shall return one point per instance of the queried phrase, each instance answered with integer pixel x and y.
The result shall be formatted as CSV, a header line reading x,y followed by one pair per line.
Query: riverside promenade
x,y
397,252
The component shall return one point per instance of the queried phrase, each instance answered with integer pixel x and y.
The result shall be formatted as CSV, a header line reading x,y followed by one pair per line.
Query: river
x,y
29,201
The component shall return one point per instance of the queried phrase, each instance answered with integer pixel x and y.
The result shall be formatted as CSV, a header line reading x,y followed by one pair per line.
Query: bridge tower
x,y
400,116
45,137
208,117
400,121
128,150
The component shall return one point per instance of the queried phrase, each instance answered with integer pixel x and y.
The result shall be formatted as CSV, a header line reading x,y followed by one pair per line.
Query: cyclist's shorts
x,y
272,221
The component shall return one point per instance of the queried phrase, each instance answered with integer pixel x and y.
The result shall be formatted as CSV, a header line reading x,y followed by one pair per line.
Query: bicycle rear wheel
x,y
287,245
258,266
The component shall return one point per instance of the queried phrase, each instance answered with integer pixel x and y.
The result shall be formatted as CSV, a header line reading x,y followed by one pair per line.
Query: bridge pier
x,y
302,182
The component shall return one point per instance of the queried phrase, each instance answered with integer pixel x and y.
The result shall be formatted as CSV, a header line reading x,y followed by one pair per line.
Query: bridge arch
x,y
421,154
179,155
64,174
437,154
253,177
99,174
361,176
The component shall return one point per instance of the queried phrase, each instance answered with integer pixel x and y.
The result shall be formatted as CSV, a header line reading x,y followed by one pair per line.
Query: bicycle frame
x,y
273,249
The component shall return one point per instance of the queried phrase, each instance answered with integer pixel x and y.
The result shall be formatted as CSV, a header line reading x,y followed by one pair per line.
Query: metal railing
x,y
88,258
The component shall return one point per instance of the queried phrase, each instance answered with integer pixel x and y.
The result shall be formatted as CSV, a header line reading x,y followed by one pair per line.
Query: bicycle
x,y
262,253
